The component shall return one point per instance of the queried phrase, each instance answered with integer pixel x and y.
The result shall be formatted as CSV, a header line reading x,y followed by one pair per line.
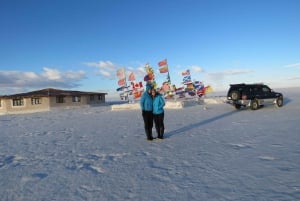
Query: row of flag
x,y
136,88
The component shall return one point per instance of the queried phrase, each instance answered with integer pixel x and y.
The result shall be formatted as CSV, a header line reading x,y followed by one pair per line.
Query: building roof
x,y
51,92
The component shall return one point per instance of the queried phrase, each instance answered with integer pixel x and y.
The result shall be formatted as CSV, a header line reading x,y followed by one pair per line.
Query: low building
x,y
46,99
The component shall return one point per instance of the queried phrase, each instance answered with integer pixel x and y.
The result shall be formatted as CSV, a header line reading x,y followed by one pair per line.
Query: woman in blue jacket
x,y
158,113
146,103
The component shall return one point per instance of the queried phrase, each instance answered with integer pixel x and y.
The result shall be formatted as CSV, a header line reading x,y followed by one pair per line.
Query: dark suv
x,y
253,95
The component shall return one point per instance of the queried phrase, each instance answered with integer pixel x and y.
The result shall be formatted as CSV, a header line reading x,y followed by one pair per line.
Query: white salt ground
x,y
210,152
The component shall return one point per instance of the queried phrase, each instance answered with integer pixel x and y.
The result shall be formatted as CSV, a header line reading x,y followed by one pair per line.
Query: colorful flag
x,y
137,94
121,88
121,82
185,73
150,73
179,90
162,63
164,69
187,79
209,89
136,85
131,77
121,73
163,66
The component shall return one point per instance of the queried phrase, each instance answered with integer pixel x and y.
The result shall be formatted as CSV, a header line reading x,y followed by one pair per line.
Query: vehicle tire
x,y
254,104
235,95
279,101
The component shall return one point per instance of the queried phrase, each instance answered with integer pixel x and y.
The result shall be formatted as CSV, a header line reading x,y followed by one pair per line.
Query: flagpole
x,y
126,86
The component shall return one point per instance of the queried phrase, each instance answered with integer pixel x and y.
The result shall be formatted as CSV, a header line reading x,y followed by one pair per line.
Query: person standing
x,y
158,113
146,104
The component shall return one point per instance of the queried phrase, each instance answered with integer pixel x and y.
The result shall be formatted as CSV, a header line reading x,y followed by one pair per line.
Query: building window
x,y
100,97
60,99
18,102
76,99
92,98
36,101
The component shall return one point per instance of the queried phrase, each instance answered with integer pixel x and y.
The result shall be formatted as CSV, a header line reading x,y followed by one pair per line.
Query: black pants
x,y
159,124
148,123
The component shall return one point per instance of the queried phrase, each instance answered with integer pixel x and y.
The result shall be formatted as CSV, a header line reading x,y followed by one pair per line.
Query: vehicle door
x,y
268,95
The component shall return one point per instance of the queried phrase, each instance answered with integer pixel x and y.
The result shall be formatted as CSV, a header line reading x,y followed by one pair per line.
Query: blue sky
x,y
79,44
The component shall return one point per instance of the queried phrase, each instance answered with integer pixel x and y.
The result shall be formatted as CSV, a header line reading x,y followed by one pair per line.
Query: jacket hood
x,y
148,86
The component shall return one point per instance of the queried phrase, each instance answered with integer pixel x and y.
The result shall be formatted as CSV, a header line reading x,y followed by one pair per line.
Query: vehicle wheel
x,y
237,106
279,101
254,104
235,95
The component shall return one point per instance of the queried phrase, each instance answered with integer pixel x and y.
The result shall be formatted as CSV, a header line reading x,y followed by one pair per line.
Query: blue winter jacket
x,y
146,102
158,104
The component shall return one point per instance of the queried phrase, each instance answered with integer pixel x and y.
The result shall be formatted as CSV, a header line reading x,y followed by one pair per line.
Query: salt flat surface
x,y
210,152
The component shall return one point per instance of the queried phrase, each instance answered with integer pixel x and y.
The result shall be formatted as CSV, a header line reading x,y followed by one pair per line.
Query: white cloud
x,y
51,74
197,69
105,73
108,69
73,75
101,65
237,72
295,65
222,75
105,69
19,80
294,78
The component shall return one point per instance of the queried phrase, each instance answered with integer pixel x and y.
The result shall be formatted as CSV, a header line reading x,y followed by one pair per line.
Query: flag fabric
x,y
198,85
131,77
121,88
162,63
187,79
209,89
163,66
190,86
179,90
137,94
164,69
185,73
121,73
136,85
150,73
122,82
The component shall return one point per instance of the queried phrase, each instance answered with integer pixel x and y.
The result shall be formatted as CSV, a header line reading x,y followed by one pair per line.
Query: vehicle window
x,y
266,89
255,89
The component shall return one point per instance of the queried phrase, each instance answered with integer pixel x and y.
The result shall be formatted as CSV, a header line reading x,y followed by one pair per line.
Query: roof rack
x,y
243,84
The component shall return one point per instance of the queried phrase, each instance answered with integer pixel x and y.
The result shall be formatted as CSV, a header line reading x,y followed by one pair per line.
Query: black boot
x,y
161,133
149,134
158,132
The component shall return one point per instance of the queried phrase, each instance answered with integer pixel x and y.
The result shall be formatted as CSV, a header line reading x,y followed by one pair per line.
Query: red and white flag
x,y
122,82
162,63
131,77
163,66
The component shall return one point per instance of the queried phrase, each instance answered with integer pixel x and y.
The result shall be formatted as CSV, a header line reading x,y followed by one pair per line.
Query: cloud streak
x,y
295,65
108,69
227,73
104,68
48,78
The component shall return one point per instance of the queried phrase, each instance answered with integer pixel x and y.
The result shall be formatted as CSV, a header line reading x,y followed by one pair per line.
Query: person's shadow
x,y
201,123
